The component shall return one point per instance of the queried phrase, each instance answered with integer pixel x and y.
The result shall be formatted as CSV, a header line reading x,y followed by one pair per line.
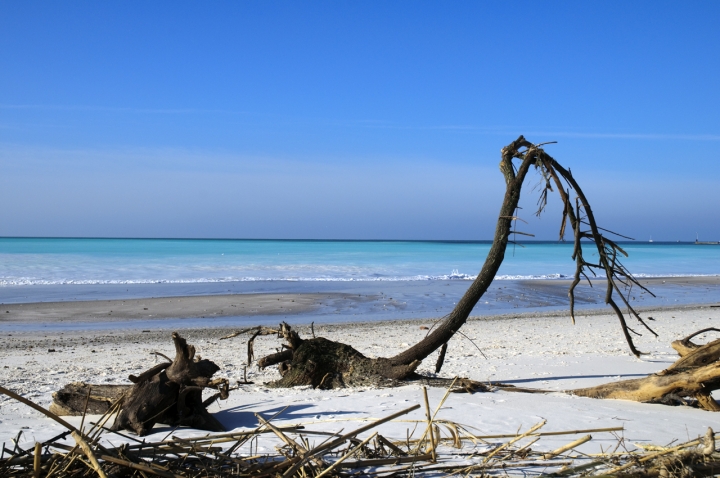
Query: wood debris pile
x,y
435,447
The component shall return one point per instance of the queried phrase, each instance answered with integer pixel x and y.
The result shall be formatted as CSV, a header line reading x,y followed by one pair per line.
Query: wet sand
x,y
228,305
350,302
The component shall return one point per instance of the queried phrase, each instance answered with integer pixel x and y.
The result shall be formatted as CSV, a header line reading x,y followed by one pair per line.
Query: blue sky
x,y
352,119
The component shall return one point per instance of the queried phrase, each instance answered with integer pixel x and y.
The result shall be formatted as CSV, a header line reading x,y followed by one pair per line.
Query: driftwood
x,y
689,381
685,346
79,398
322,363
171,393
439,448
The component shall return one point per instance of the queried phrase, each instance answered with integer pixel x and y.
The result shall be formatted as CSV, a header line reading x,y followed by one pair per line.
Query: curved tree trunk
x,y
322,363
607,250
495,257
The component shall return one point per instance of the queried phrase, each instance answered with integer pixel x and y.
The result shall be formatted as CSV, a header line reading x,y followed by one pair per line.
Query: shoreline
x,y
22,339
263,304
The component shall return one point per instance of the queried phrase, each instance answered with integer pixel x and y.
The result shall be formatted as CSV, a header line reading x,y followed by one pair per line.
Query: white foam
x,y
454,275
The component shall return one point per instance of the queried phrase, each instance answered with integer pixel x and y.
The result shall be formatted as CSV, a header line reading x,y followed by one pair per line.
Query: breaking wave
x,y
453,276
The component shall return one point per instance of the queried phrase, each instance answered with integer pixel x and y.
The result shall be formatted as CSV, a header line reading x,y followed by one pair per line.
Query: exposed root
x,y
171,393
322,363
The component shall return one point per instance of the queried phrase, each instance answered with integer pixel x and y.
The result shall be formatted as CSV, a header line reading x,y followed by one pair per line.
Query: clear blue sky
x,y
352,119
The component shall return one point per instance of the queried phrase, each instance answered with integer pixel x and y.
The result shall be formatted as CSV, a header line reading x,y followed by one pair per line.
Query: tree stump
x,y
171,393
325,364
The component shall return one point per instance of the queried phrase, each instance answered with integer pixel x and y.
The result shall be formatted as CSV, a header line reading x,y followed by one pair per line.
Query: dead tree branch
x,y
322,363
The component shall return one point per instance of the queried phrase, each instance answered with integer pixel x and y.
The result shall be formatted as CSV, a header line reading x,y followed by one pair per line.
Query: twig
x,y
517,438
546,434
332,444
567,447
346,456
89,453
429,424
655,455
37,457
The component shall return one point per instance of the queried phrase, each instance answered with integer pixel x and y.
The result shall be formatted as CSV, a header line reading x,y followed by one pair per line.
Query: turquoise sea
x,y
39,261
423,278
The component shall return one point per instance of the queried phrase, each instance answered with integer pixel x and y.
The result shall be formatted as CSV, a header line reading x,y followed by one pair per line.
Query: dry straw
x,y
443,448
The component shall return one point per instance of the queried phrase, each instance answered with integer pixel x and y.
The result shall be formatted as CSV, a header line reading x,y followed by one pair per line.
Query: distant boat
x,y
650,239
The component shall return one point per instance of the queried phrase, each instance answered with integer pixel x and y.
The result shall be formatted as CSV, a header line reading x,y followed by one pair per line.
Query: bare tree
x,y
326,364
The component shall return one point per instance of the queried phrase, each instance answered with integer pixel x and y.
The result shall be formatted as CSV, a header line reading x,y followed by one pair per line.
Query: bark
x,y
171,393
698,357
459,315
274,359
441,358
670,388
685,346
324,364
73,397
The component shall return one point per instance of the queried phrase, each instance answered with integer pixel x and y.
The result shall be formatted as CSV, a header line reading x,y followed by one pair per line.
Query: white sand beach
x,y
546,352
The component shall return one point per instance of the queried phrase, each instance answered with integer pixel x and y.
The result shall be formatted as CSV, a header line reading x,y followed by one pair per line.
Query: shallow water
x,y
136,261
395,300
398,279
